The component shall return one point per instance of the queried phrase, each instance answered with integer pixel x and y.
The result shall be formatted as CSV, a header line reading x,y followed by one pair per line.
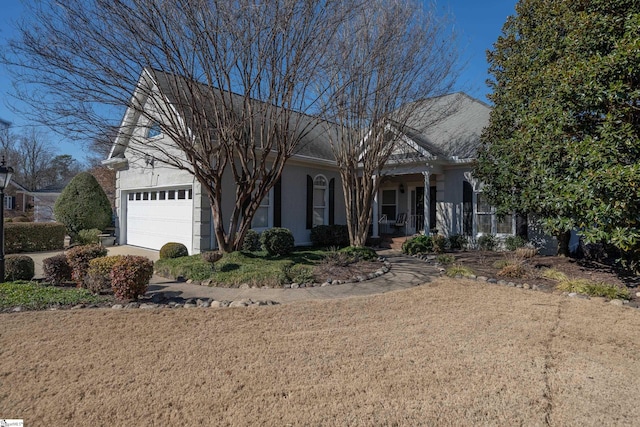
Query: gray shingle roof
x,y
449,126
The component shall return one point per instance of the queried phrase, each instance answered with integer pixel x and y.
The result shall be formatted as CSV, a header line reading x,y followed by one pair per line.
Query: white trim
x,y
325,207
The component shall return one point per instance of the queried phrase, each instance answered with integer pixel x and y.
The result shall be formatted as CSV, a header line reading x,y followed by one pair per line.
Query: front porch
x,y
432,200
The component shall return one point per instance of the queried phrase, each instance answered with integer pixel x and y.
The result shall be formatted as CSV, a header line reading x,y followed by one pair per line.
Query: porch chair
x,y
401,222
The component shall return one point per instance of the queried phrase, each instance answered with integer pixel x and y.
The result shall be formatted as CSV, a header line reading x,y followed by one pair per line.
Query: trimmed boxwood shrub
x,y
33,237
418,245
83,205
487,242
79,258
277,241
457,241
330,235
19,267
251,242
98,276
358,254
173,250
57,270
130,276
89,237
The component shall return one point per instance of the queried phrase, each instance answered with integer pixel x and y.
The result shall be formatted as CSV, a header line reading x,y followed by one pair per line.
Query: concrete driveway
x,y
38,257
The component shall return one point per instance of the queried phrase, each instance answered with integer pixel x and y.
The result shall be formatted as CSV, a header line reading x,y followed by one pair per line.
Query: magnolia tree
x,y
562,142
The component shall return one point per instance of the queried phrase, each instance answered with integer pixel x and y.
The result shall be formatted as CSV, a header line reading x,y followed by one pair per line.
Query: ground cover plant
x,y
260,268
431,355
35,296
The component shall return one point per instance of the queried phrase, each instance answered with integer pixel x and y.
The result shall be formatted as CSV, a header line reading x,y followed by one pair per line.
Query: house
x,y
428,180
37,205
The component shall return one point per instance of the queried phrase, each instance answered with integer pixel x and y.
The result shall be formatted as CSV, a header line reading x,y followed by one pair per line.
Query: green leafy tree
x,y
562,142
83,205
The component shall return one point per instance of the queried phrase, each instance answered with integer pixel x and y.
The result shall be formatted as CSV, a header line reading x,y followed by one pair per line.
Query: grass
x,y
236,268
459,270
599,289
34,296
553,274
431,355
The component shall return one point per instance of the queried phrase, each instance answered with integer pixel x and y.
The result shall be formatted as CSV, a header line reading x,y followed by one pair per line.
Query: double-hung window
x,y
487,221
320,200
389,204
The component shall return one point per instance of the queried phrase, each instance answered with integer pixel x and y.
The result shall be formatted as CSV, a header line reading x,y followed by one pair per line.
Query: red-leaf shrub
x,y
78,259
130,276
56,269
98,276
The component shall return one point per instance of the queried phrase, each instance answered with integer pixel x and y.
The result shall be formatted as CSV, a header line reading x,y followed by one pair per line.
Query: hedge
x,y
33,237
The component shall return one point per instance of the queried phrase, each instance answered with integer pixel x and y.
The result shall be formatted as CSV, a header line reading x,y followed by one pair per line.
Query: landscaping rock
x,y
482,279
295,286
117,307
616,302
492,281
216,304
239,303
157,298
244,286
77,307
526,286
147,306
132,305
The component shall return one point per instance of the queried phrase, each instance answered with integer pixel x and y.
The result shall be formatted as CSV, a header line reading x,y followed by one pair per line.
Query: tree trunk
x,y
563,243
522,225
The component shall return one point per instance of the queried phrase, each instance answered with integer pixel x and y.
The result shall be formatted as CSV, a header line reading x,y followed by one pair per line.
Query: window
x,y
138,196
261,217
484,214
154,130
145,195
487,220
320,196
8,202
162,195
131,196
171,195
182,194
154,195
389,206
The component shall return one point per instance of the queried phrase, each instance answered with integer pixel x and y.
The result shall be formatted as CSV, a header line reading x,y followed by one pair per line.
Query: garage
x,y
160,216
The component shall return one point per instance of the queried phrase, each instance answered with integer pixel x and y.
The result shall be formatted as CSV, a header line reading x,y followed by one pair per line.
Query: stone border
x,y
329,282
526,286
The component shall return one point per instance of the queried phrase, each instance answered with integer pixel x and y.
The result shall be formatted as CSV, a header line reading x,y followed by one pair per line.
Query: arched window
x,y
320,200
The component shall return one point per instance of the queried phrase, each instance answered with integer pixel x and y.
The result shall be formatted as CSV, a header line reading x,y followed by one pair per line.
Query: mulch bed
x,y
483,264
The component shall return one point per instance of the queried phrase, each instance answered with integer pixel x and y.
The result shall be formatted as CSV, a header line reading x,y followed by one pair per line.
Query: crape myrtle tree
x,y
383,60
563,139
235,77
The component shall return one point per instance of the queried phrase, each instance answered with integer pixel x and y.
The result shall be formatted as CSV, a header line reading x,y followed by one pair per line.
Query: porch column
x,y
427,202
376,214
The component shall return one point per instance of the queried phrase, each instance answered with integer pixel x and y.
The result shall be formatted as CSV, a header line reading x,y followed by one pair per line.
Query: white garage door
x,y
160,216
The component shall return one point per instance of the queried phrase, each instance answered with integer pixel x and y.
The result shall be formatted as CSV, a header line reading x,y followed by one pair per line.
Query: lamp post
x,y
5,178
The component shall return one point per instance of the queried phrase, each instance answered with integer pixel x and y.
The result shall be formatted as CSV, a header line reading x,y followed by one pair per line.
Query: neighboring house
x,y
428,180
38,205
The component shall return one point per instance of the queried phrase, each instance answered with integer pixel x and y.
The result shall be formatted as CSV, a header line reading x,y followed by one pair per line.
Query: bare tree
x,y
33,160
226,82
384,60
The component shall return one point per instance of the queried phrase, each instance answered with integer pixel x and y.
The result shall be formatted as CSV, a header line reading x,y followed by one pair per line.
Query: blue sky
x,y
477,23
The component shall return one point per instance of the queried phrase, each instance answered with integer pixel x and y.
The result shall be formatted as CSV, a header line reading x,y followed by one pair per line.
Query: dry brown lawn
x,y
448,353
